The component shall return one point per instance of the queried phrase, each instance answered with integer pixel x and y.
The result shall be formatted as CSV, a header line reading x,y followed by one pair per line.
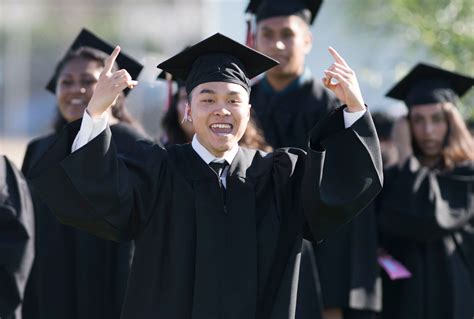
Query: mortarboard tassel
x,y
249,41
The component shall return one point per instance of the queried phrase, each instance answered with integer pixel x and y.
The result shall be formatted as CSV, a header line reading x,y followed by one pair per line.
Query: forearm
x,y
343,172
80,188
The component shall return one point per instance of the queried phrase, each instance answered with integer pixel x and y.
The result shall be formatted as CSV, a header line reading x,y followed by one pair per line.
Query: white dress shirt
x,y
207,157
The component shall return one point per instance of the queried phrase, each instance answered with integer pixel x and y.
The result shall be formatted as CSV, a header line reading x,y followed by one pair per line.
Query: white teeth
x,y
77,101
223,126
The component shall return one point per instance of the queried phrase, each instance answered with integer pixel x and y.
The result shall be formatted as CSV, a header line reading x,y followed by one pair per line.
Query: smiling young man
x,y
217,228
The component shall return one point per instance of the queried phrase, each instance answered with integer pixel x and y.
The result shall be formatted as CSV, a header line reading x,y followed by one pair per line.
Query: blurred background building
x,y
381,40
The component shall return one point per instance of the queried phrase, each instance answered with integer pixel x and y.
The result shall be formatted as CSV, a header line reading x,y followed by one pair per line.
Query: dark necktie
x,y
218,167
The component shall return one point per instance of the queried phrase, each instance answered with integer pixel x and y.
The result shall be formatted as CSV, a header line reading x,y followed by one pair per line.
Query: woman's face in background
x,y
75,85
429,127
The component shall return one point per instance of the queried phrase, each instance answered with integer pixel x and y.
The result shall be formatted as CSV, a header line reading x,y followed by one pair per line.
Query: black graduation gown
x,y
16,238
287,117
347,260
348,269
197,256
75,274
426,220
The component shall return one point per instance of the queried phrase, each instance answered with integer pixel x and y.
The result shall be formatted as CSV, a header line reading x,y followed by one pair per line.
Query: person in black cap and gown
x,y
426,215
288,102
16,239
76,274
217,227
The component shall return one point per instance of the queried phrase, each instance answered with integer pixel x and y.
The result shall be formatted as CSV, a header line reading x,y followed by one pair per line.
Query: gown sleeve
x,y
98,190
425,205
16,237
343,172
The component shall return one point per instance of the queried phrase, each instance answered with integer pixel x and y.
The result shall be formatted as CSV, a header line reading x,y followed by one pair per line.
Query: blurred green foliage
x,y
445,28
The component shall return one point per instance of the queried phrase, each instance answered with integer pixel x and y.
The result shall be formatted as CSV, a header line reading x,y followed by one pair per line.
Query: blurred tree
x,y
443,27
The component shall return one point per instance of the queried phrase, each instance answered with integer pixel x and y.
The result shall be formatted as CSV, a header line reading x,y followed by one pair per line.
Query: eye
x,y
267,35
287,34
417,120
207,100
438,118
65,82
88,82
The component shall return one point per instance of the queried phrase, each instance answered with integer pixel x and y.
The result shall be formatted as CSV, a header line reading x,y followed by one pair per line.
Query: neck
x,y
214,152
431,161
279,82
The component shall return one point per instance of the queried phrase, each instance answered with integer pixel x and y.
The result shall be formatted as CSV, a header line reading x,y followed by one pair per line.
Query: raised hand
x,y
109,86
347,88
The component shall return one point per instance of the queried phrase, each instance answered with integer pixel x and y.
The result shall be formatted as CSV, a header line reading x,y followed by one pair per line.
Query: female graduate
x,y
217,227
77,275
426,216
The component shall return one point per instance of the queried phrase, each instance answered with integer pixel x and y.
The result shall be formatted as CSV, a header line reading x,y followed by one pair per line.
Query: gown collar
x,y
208,157
293,86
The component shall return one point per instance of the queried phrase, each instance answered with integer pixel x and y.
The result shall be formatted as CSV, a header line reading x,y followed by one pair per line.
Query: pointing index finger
x,y
110,61
337,57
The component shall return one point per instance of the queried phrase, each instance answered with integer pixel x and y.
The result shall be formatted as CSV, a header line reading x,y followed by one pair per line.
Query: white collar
x,y
207,156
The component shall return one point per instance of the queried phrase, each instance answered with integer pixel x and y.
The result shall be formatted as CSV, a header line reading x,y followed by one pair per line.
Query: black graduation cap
x,y
217,58
165,76
264,9
426,84
87,39
253,6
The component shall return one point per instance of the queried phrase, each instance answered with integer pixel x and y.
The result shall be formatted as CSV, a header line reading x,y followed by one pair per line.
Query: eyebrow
x,y
209,91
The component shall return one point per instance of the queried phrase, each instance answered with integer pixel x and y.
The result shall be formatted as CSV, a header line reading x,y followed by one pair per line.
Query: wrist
x,y
353,108
95,114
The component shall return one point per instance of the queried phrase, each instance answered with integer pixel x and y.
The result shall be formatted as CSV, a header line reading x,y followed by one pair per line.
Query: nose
x,y
429,128
221,110
280,45
77,88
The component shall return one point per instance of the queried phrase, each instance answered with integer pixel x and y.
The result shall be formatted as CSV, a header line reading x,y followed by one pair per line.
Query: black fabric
x,y
217,58
359,314
347,264
346,259
426,219
16,239
85,38
287,118
218,167
217,67
75,274
426,84
306,9
191,259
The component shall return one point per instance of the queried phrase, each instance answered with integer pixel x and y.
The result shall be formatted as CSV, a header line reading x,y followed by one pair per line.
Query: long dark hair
x,y
459,143
119,111
171,124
